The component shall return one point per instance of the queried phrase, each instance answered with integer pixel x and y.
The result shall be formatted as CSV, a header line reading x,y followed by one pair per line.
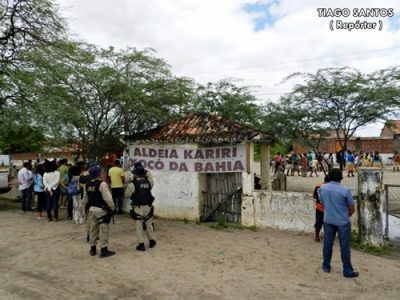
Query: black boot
x,y
152,243
93,251
105,253
140,247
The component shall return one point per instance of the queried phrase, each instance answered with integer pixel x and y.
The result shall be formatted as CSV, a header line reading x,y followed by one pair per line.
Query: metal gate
x,y
224,196
392,212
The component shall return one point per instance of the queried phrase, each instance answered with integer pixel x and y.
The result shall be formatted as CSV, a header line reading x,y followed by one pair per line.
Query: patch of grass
x,y
219,226
9,204
236,226
253,228
385,249
185,220
221,221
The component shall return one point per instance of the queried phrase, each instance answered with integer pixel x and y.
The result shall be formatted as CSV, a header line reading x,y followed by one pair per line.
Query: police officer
x,y
142,209
98,201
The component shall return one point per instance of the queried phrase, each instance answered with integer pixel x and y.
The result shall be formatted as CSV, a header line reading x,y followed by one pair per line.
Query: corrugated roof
x,y
202,128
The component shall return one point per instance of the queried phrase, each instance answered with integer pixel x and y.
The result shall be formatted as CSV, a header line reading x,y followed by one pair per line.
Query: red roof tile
x,y
202,128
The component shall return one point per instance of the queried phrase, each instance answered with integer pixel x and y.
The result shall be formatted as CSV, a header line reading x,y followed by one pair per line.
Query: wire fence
x,y
392,212
393,199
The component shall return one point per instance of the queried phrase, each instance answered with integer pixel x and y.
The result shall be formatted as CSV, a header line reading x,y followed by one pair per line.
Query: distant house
x,y
386,143
17,159
391,129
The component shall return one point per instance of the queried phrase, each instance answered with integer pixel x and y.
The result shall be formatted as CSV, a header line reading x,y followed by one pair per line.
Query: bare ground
x,y
41,260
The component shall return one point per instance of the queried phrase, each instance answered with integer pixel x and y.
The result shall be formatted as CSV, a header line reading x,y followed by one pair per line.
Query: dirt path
x,y
41,260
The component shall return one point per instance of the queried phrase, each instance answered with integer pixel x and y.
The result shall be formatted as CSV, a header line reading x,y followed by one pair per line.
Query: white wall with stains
x,y
281,210
176,194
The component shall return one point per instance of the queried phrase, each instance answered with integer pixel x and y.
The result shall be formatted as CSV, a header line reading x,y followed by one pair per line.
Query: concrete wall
x,y
248,177
281,210
4,160
177,193
370,197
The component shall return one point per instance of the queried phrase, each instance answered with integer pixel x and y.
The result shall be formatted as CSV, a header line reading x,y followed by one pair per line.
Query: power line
x,y
283,64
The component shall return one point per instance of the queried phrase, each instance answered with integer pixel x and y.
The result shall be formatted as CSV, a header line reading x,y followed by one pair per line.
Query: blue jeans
x,y
52,203
26,199
344,232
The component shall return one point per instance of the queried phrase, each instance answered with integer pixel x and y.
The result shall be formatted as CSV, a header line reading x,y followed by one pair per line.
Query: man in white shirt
x,y
25,180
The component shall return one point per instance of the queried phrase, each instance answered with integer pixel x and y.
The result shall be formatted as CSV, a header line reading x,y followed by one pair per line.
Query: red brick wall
x,y
363,144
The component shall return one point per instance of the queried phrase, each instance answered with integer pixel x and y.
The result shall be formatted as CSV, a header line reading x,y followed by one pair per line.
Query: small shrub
x,y
221,221
253,228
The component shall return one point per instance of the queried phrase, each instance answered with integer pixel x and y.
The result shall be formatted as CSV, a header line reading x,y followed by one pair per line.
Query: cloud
x,y
260,41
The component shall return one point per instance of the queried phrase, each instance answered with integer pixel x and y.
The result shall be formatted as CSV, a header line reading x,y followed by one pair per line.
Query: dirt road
x,y
41,260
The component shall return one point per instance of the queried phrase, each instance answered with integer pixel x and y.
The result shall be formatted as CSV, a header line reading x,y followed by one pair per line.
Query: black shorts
x,y
319,219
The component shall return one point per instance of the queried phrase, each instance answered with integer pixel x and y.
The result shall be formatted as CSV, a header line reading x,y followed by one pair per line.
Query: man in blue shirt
x,y
339,206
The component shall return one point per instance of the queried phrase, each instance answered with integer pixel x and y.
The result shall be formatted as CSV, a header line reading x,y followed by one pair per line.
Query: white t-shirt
x,y
51,180
25,178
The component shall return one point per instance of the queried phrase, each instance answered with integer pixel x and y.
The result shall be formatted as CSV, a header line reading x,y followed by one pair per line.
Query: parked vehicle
x,y
5,182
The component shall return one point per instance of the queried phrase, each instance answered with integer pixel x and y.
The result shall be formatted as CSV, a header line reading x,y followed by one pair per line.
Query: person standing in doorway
x,y
117,179
338,206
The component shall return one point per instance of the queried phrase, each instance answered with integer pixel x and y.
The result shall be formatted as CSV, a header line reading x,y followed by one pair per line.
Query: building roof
x,y
396,126
391,128
202,128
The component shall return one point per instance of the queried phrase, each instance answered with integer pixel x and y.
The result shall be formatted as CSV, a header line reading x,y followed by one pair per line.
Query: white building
x,y
202,165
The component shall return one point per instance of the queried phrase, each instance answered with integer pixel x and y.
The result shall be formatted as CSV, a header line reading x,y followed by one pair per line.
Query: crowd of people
x,y
91,195
310,163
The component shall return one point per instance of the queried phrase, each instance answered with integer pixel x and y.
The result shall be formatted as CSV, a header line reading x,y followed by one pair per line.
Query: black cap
x,y
139,171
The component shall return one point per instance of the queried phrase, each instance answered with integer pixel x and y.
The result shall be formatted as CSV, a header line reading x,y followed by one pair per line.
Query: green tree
x,y
229,100
30,139
25,26
95,96
340,100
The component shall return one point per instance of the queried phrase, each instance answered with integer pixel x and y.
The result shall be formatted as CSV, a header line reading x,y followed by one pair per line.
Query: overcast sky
x,y
260,42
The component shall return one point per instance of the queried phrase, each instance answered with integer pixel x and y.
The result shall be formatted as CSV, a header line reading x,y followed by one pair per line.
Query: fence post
x,y
369,205
387,212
